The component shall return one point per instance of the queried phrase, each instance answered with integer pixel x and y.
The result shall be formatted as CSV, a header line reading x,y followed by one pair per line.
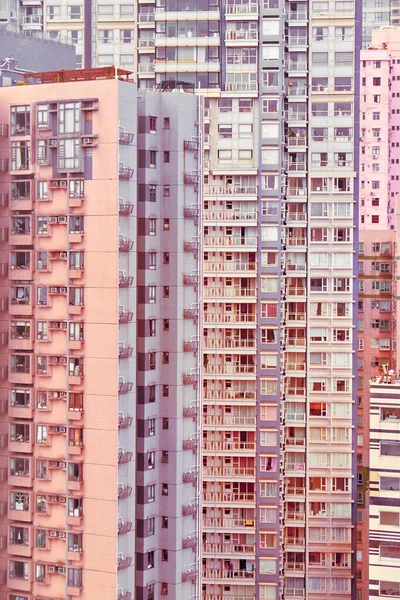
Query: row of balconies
x,y
21,471
23,368
23,573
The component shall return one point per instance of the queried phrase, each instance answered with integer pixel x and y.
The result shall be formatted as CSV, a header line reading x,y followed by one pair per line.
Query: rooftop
x,y
63,75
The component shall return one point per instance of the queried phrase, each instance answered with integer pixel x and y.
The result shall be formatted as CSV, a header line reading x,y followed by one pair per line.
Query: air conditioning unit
x,y
62,219
53,290
53,499
62,499
63,254
62,464
63,360
52,219
62,429
53,142
53,533
62,570
63,394
51,569
62,534
54,359
63,183
63,323
63,290
54,463
87,140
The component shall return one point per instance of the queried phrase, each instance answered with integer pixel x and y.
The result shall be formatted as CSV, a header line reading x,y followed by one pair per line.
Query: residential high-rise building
x,y
280,209
379,188
384,515
100,343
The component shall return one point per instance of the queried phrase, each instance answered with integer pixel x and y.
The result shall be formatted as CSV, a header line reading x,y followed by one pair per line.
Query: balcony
x,y
230,497
230,215
228,343
124,421
295,567
191,145
242,9
294,467
124,456
229,241
230,369
191,278
230,190
297,15
123,562
229,292
125,209
222,266
124,350
247,395
295,593
124,316
229,420
222,549
124,245
125,172
231,575
239,35
228,446
234,316
124,491
229,472
124,526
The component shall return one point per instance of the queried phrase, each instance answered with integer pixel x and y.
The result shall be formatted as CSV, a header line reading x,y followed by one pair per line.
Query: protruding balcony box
x,y
191,313
125,137
191,212
21,300
124,491
21,195
20,507
191,346
21,335
21,231
20,539
75,237
21,263
75,449
191,443
75,484
191,278
75,273
190,378
20,437
19,576
21,369
21,408
75,309
75,376
20,471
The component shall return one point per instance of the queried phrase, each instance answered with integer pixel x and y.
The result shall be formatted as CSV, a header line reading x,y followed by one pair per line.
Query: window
x,y
153,158
389,448
389,518
152,226
151,493
153,124
74,578
167,158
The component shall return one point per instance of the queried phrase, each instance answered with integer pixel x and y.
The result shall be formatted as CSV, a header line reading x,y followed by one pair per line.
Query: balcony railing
x,y
227,574
124,421
125,137
190,476
229,292
229,420
215,343
230,189
229,471
230,394
242,9
124,456
124,280
124,316
295,567
229,497
125,172
237,34
125,208
229,369
229,317
229,548
125,350
230,215
227,446
124,526
298,15
230,240
124,245
124,387
123,562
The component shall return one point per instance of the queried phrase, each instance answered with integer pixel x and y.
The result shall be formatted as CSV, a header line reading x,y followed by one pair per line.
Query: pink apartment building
x,y
379,187
99,350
